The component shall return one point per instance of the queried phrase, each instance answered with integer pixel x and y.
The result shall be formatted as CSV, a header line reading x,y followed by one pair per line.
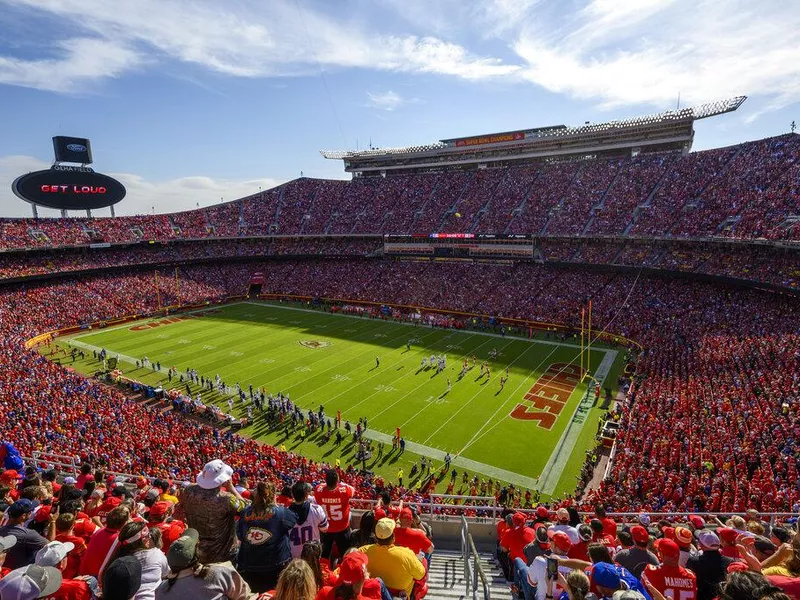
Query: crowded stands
x,y
749,191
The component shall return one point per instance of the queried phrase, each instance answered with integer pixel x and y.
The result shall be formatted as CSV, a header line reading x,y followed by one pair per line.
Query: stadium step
x,y
446,577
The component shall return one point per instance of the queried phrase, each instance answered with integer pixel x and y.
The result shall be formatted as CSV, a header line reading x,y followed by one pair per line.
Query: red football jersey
x,y
336,503
673,582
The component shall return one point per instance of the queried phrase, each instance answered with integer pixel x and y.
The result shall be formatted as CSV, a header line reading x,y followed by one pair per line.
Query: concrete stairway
x,y
446,577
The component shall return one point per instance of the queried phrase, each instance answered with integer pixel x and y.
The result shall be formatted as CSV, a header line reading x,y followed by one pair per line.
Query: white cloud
x,y
83,60
252,39
387,100
648,51
166,196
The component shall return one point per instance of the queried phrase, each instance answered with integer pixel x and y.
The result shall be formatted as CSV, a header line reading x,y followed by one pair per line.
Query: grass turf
x,y
260,344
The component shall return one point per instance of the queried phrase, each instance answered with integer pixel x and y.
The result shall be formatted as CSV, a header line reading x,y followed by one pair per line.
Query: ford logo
x,y
76,147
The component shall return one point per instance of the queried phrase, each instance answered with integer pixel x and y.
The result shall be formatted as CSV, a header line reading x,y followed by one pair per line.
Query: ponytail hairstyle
x,y
264,499
311,553
577,585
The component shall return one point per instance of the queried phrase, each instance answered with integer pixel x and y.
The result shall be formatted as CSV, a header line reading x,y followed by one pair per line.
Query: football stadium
x,y
557,362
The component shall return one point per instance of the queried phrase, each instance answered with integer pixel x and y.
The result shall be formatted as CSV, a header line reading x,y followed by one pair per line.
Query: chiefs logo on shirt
x,y
258,536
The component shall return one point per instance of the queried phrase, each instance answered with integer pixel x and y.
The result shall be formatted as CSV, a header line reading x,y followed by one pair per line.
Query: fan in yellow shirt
x,y
398,567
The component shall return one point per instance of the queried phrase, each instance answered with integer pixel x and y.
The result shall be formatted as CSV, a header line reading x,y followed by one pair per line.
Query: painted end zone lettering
x,y
175,319
547,397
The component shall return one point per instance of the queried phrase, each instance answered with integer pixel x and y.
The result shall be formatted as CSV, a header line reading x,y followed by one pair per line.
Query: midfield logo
x,y
314,344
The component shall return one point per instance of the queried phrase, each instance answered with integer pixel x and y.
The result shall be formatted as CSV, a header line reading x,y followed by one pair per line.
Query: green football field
x,y
322,358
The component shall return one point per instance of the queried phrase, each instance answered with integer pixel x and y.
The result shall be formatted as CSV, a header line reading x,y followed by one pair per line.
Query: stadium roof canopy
x,y
668,131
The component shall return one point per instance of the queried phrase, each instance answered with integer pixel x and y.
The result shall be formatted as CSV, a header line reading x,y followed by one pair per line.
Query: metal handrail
x,y
473,571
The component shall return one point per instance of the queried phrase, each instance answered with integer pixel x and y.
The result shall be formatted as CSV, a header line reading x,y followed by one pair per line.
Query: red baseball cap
x,y
519,519
727,535
159,509
560,540
379,514
639,534
353,568
406,514
542,512
10,474
697,521
669,532
43,514
668,548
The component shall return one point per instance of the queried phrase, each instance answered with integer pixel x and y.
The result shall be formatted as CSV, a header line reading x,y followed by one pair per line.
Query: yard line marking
x,y
477,435
459,461
478,393
422,324
552,471
375,416
376,374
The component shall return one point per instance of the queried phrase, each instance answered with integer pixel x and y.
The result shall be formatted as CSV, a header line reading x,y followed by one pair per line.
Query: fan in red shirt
x,y
516,538
352,577
407,536
65,533
56,554
102,542
672,580
160,516
334,496
581,549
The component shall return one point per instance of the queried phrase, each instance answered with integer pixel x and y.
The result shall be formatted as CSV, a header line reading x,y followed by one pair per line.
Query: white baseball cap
x,y
27,583
53,553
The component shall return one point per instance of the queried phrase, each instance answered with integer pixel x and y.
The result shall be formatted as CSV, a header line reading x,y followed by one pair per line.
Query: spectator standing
x,y
210,507
102,542
709,566
670,579
635,559
189,578
160,517
263,530
334,496
311,519
135,540
398,567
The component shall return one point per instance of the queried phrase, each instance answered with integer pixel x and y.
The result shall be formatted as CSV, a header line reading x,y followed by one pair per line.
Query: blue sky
x,y
190,101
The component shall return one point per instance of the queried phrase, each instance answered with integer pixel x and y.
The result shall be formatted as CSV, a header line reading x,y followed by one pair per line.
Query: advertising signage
x,y
69,188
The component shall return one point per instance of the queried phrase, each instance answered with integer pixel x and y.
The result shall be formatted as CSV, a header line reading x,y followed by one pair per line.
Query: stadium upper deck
x,y
668,131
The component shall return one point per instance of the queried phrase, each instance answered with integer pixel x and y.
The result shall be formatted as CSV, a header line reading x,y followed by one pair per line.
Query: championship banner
x,y
491,139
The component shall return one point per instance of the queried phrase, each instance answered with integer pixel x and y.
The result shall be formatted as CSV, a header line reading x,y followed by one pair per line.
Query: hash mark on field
x,y
184,342
385,388
453,347
236,353
340,377
436,400
208,347
380,335
162,336
302,369
267,361
294,322
169,353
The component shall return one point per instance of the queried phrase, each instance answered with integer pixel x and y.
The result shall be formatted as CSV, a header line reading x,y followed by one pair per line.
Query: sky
x,y
190,102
